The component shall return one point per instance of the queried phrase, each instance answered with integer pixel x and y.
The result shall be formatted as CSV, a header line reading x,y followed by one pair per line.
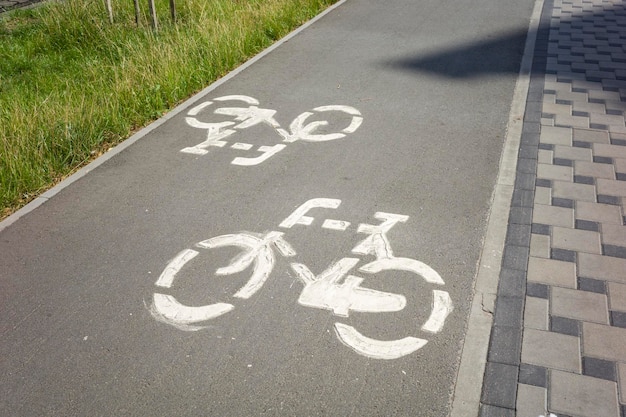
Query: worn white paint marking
x,y
249,116
335,225
326,292
199,108
404,264
245,99
167,309
266,153
256,250
356,121
377,243
377,349
169,273
298,216
242,146
214,138
442,307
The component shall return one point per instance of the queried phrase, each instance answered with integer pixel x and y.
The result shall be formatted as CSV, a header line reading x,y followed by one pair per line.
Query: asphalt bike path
x,y
301,239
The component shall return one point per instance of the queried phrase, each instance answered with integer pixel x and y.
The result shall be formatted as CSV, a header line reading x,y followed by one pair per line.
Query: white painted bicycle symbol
x,y
334,289
299,129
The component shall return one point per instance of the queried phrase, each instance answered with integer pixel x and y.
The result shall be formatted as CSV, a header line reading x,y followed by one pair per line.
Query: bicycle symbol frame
x,y
252,115
335,289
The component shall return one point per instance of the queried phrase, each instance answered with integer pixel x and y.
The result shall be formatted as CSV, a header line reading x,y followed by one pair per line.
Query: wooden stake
x,y
153,16
173,10
109,10
136,12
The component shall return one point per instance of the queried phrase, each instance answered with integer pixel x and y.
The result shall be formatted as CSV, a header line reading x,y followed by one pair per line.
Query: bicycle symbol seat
x,y
251,115
334,289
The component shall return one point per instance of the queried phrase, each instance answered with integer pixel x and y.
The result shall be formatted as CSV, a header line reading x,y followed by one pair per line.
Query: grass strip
x,y
72,85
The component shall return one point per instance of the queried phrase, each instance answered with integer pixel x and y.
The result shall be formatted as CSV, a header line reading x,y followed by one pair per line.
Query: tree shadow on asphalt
x,y
577,28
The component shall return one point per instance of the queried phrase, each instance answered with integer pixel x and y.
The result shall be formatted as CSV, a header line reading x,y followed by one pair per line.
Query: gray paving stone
x,y
579,305
518,235
592,285
576,240
552,272
536,313
621,373
537,290
602,213
505,345
531,401
533,375
611,187
551,350
500,389
588,225
540,245
581,395
574,191
555,172
563,255
601,267
617,296
509,311
556,135
604,342
618,319
554,216
565,325
512,283
599,368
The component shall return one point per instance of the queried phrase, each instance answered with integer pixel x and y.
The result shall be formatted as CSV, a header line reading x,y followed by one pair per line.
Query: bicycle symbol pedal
x,y
252,115
334,289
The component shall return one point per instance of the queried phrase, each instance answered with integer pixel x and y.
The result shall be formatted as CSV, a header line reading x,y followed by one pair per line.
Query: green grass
x,y
72,85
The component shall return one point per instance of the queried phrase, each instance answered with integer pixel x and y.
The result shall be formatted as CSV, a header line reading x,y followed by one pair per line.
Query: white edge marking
x,y
167,309
157,123
169,273
377,349
469,380
442,307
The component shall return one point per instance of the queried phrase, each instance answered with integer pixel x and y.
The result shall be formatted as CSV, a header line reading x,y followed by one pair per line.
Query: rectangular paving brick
x,y
595,136
555,172
500,387
573,191
617,298
579,305
584,396
602,267
554,216
593,169
543,195
576,240
604,342
611,151
611,187
551,350
556,135
545,156
536,313
531,401
602,213
576,154
573,121
539,246
612,235
552,272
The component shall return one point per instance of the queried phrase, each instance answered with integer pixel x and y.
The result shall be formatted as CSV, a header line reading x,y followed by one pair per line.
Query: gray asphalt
x,y
433,82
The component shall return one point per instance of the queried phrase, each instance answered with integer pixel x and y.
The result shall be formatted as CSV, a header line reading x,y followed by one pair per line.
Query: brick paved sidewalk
x,y
558,343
